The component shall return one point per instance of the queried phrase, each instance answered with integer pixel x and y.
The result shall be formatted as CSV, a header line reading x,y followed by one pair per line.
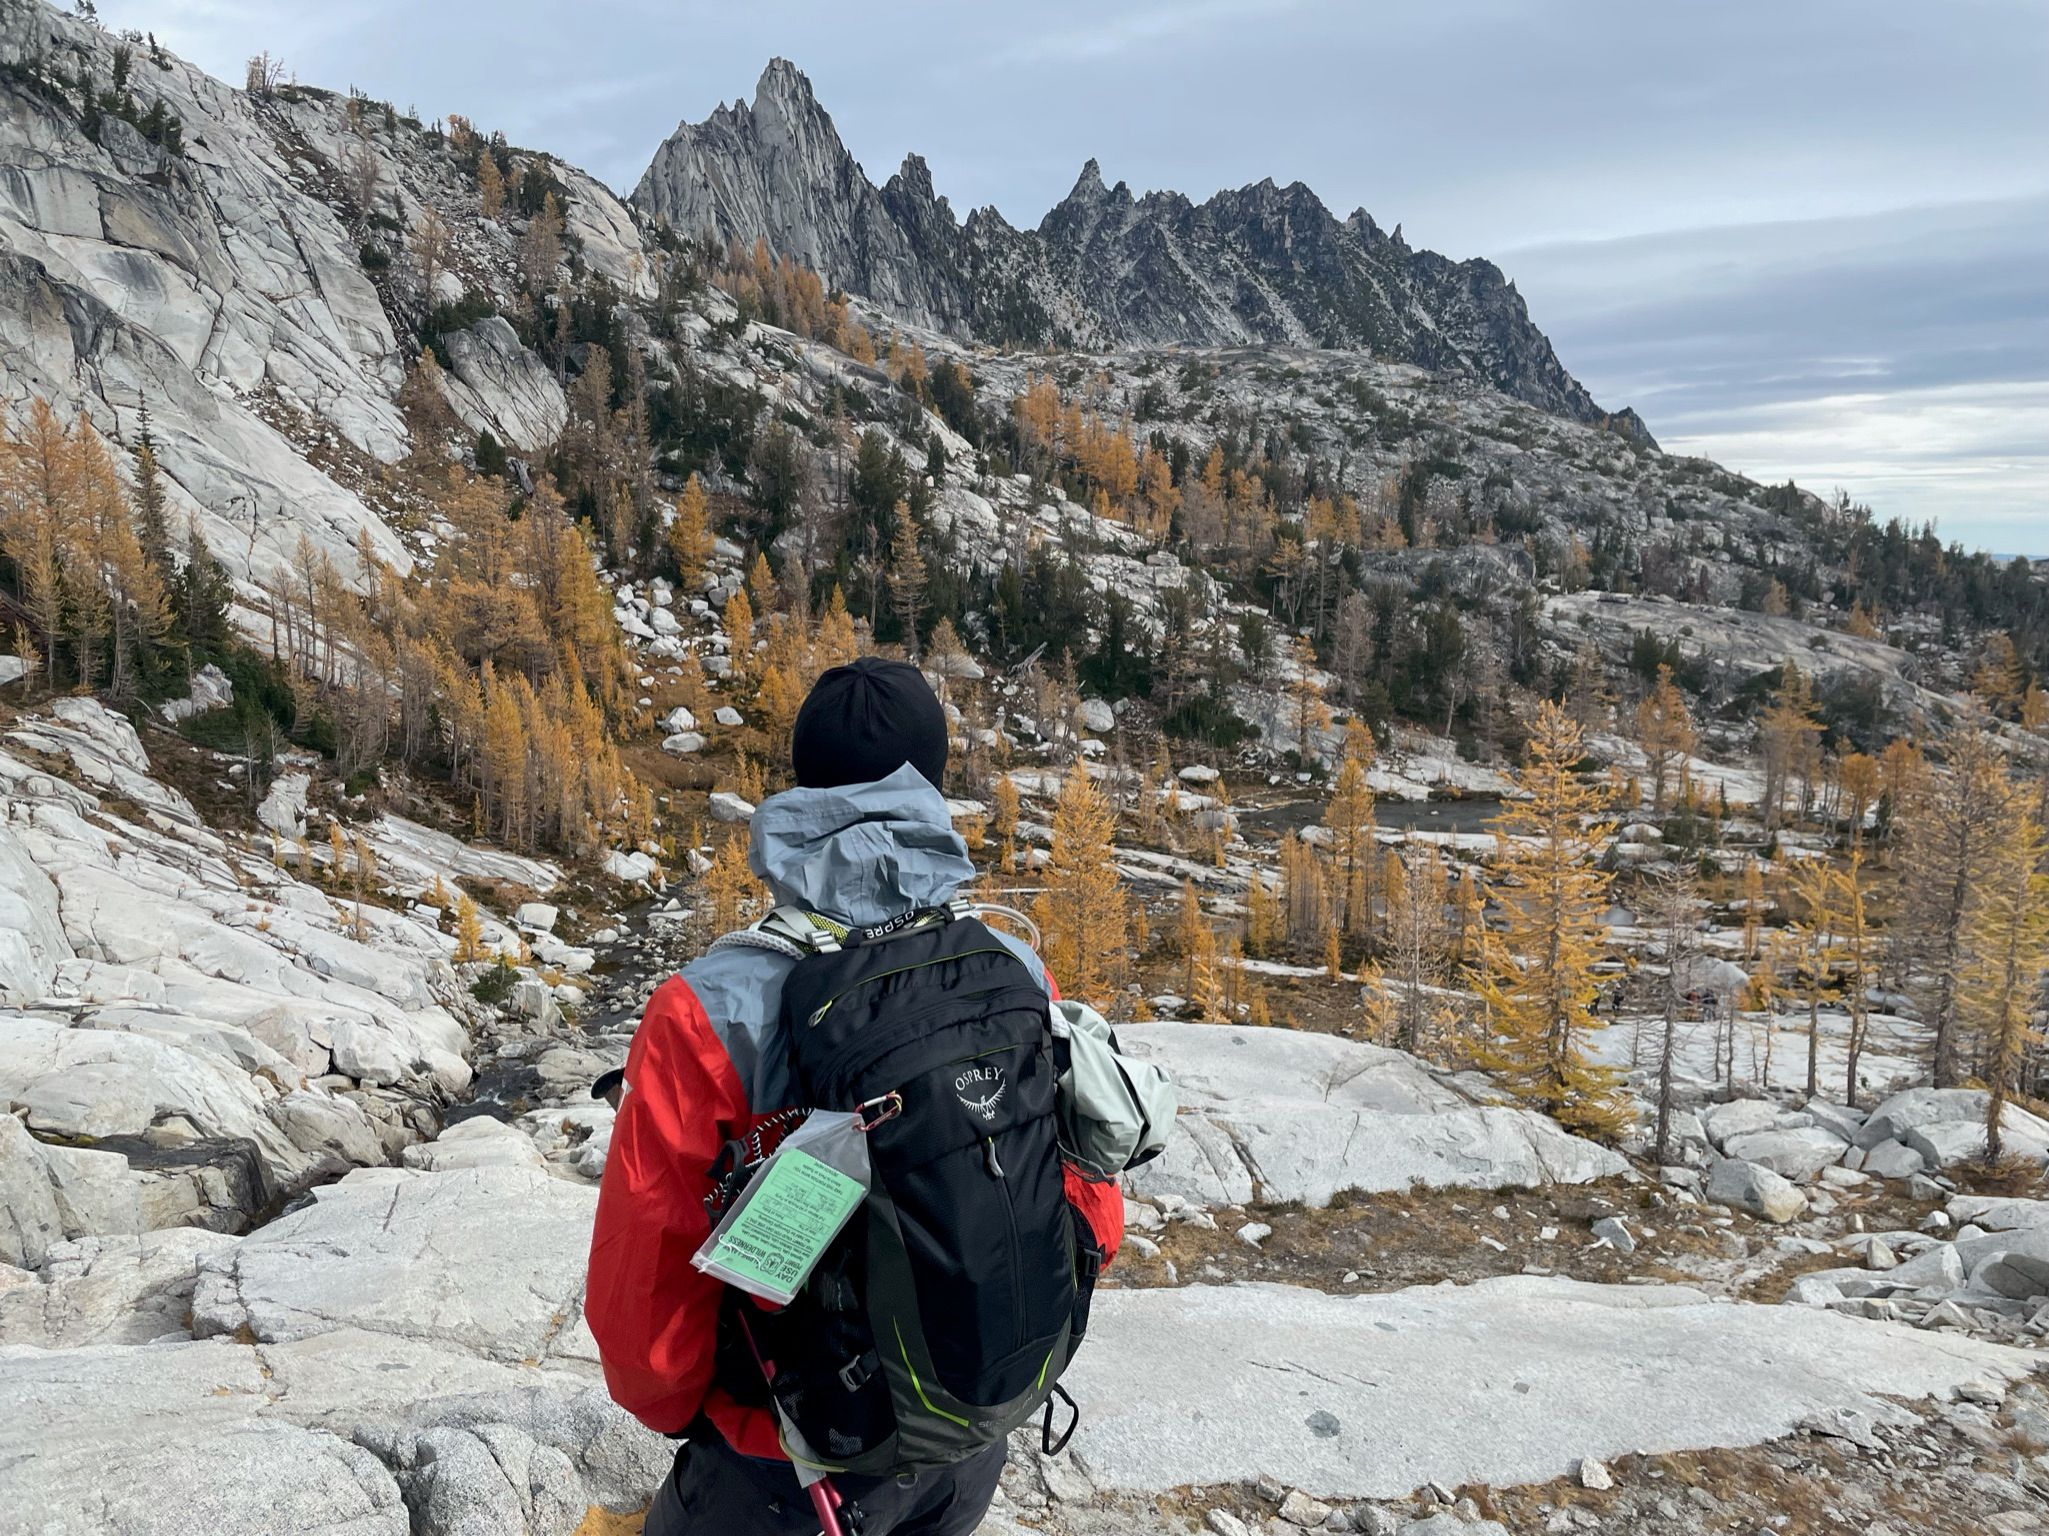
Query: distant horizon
x,y
1846,288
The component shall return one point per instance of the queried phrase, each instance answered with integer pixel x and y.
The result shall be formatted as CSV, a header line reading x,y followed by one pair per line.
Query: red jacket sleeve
x,y
654,1315
1102,1205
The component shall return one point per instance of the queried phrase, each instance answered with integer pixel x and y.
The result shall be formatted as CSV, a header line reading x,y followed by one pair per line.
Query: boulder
x,y
1614,1231
683,744
536,916
1945,1143
1816,1290
210,690
1797,1152
534,1000
728,716
1287,1115
92,1098
1744,1117
283,808
1096,717
630,868
328,1125
95,1191
1999,1213
677,719
2023,1256
1892,1160
1754,1190
1921,1108
2019,1276
1938,1267
109,1290
479,1142
729,807
1839,1118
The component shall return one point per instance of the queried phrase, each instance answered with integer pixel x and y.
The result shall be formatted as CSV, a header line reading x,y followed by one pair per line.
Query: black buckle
x,y
859,1371
729,1174
1047,1443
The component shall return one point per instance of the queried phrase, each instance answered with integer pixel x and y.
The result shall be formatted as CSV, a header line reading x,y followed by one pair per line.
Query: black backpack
x,y
944,1314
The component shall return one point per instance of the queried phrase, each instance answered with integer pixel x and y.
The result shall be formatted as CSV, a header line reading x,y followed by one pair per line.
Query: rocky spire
x,y
1263,263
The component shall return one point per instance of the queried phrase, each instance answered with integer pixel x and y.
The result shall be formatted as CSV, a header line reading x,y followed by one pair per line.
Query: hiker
x,y
942,1315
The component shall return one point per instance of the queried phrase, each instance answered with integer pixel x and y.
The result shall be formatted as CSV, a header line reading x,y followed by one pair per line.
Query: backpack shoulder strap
x,y
788,930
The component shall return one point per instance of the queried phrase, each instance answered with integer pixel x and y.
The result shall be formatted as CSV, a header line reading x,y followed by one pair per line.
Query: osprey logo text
x,y
981,1078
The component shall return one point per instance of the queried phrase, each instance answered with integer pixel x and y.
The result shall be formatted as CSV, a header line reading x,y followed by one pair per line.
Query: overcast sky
x,y
1807,237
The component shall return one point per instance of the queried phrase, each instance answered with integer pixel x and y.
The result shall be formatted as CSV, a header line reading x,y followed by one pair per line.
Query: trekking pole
x,y
826,1502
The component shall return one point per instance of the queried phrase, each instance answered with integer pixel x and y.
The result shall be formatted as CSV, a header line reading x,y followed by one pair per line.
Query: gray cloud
x,y
1903,356
1725,215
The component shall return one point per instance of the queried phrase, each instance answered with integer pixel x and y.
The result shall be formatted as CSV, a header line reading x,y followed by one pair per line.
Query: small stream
x,y
625,972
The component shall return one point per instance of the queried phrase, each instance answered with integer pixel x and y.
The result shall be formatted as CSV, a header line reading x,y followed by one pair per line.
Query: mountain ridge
x,y
1104,269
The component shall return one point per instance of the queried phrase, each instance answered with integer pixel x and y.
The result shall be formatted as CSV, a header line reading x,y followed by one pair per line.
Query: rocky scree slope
x,y
1103,269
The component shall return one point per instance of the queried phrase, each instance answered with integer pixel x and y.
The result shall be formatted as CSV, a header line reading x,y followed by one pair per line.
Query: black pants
x,y
715,1491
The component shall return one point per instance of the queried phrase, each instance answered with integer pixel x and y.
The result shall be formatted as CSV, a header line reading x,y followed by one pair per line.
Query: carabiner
x,y
892,1105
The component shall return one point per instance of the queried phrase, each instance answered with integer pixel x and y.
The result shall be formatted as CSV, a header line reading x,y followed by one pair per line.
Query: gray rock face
x,y
1510,1380
1921,1109
418,1364
1103,270
374,1252
495,384
29,1222
1758,1191
1283,1115
143,1442
226,286
109,1290
334,1435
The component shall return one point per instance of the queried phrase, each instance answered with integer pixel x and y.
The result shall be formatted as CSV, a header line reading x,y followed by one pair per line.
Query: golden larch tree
x,y
2008,945
690,539
739,620
1950,827
1789,738
1538,980
1083,912
906,576
1664,729
1350,821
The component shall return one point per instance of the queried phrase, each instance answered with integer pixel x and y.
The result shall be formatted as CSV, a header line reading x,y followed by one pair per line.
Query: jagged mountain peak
x,y
781,80
1103,270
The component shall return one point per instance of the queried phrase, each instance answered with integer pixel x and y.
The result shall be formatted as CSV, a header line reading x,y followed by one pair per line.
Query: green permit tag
x,y
787,1222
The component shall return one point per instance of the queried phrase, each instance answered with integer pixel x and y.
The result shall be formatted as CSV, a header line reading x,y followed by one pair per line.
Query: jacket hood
x,y
860,853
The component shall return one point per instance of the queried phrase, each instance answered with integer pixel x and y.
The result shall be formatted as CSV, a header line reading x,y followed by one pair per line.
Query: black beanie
x,y
864,721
